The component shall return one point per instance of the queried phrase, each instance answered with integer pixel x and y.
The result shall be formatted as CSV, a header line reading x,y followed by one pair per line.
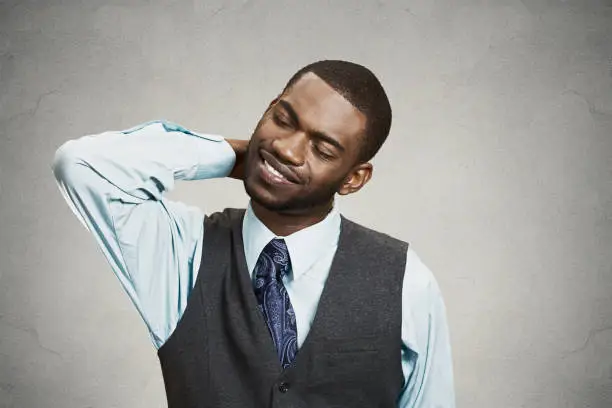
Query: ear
x,y
358,178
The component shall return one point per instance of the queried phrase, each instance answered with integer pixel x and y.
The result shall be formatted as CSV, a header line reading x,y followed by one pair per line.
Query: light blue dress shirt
x,y
115,183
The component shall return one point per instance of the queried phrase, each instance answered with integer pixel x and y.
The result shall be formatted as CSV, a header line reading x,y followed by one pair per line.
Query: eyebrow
x,y
314,133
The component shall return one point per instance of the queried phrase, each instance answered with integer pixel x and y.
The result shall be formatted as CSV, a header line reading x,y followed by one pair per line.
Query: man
x,y
286,303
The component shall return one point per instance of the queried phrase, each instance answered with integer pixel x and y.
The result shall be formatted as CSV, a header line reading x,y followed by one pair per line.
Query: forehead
x,y
320,107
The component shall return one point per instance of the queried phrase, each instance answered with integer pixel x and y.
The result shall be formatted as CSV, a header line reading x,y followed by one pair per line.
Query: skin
x,y
313,135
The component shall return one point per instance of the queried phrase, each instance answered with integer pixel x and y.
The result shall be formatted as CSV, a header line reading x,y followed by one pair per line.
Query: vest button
x,y
283,387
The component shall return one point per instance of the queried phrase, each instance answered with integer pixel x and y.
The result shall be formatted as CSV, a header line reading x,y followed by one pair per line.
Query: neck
x,y
285,223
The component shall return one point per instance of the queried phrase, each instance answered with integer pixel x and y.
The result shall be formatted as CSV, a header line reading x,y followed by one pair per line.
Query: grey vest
x,y
221,353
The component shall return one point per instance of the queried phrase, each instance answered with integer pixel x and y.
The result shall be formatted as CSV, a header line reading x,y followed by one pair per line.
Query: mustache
x,y
257,151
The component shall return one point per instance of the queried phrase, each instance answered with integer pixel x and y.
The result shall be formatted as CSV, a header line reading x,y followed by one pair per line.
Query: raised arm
x,y
115,183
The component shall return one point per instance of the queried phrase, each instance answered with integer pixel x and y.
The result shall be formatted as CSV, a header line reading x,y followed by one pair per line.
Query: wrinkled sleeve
x,y
115,181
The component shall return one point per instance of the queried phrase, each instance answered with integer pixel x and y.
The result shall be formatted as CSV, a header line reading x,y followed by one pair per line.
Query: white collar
x,y
305,246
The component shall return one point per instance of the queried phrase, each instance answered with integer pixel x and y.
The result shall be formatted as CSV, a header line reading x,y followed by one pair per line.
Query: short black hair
x,y
363,90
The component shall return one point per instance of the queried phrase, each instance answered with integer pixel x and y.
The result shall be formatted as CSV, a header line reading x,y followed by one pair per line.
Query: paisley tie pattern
x,y
273,264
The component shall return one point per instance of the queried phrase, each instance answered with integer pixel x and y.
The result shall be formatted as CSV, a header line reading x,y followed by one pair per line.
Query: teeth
x,y
273,170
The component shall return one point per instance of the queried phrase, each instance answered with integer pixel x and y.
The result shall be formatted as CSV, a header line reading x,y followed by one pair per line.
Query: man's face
x,y
304,149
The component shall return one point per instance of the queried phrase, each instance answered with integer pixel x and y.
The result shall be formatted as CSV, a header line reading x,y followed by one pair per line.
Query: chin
x,y
264,198
295,206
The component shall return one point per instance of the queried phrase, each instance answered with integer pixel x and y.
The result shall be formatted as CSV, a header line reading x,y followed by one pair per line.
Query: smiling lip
x,y
278,171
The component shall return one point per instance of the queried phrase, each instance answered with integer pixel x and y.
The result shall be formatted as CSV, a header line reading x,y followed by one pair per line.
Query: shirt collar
x,y
305,246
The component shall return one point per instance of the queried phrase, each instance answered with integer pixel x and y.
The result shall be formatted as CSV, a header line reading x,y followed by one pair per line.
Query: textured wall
x,y
498,170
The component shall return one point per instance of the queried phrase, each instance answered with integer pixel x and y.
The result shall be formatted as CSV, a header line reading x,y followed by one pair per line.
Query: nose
x,y
291,149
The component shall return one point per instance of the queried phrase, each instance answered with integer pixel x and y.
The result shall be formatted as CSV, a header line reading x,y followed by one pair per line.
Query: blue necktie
x,y
273,264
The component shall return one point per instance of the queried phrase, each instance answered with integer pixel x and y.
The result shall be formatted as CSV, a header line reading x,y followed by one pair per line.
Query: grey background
x,y
498,170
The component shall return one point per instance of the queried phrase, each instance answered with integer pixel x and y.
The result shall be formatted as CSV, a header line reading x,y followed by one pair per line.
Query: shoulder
x,y
370,236
224,218
418,279
418,275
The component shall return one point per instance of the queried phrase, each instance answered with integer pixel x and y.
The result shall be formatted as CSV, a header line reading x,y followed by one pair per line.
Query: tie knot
x,y
274,259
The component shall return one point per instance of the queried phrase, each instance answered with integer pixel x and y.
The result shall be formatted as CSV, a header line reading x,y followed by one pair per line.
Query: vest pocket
x,y
347,363
351,345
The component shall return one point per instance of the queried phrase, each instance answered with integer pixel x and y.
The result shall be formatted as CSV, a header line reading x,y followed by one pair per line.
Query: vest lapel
x,y
243,278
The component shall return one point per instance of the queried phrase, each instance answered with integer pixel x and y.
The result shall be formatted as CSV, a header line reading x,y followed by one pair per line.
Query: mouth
x,y
277,172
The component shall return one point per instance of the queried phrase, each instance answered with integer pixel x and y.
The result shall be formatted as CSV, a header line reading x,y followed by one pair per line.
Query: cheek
x,y
327,175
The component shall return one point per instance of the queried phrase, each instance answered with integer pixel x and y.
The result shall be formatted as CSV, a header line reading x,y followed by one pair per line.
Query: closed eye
x,y
280,121
323,153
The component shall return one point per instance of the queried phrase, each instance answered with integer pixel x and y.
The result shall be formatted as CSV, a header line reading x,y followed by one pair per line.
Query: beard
x,y
296,204
293,205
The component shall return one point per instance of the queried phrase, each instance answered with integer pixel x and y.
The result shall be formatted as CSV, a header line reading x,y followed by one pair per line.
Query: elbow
x,y
64,160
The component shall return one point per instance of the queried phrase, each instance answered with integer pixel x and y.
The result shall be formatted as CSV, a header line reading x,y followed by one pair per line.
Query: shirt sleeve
x,y
426,354
115,181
